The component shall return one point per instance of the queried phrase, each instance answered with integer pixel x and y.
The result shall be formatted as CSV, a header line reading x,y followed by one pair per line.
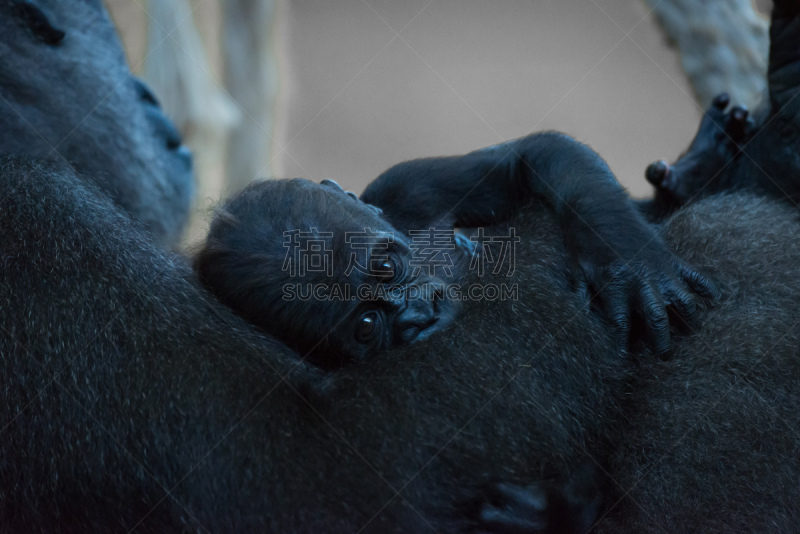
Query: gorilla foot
x,y
719,140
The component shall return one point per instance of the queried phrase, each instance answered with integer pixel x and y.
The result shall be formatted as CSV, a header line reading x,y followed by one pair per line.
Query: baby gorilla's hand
x,y
631,274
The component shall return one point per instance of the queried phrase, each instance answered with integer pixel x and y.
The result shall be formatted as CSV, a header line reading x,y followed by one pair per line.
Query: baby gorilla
x,y
324,272
333,277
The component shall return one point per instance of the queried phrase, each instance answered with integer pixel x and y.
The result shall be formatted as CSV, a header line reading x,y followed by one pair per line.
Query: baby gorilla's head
x,y
324,272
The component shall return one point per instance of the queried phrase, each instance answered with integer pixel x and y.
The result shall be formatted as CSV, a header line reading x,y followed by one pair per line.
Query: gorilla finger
x,y
657,173
714,116
738,123
581,288
655,315
721,101
682,302
699,283
739,114
615,298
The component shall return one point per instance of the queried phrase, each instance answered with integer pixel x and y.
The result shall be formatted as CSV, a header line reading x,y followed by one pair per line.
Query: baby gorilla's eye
x,y
367,327
386,270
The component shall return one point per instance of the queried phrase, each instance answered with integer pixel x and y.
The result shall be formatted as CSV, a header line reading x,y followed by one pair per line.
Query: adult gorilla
x,y
134,401
66,93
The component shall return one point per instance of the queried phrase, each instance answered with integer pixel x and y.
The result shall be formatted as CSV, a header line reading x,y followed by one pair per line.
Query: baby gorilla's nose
x,y
419,315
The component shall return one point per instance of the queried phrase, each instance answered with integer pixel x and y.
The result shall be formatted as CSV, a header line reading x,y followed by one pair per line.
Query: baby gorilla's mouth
x,y
418,333
424,314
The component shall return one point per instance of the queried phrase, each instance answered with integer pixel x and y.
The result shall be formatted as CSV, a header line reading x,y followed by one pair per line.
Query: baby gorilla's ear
x,y
336,187
37,22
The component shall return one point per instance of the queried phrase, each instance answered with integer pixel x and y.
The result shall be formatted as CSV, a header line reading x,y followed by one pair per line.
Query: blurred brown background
x,y
364,84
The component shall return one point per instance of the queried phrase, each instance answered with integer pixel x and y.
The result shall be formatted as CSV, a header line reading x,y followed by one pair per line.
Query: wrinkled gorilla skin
x,y
75,99
158,387
122,380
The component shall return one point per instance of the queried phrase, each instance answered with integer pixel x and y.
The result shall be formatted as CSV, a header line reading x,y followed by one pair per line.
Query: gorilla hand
x,y
630,272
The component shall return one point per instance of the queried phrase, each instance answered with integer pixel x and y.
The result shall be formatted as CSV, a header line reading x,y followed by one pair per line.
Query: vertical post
x,y
251,80
723,46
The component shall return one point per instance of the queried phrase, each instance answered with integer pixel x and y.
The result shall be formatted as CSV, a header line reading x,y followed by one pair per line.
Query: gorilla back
x,y
711,440
132,400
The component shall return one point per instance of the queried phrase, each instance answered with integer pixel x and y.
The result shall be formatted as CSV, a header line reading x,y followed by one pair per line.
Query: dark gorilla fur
x,y
66,93
177,394
131,395
134,401
710,441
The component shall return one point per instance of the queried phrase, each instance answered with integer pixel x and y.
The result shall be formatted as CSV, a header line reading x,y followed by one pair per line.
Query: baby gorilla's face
x,y
325,273
391,288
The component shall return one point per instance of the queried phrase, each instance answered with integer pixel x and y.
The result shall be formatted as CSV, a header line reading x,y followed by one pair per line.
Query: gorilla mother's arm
x,y
623,260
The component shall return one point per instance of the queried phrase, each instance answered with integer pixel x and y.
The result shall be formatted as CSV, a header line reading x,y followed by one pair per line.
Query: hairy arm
x,y
625,263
